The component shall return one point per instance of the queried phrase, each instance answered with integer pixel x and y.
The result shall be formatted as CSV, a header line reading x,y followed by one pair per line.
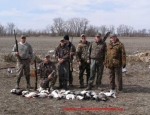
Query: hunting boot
x,y
89,87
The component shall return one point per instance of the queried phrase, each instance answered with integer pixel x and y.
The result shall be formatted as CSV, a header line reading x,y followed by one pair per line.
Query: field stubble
x,y
134,100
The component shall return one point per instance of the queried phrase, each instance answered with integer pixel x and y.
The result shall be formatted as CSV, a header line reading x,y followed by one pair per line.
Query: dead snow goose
x,y
70,96
31,94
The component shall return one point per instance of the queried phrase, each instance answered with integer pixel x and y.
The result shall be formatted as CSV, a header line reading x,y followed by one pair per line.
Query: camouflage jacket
x,y
81,51
115,55
44,69
97,50
62,52
71,49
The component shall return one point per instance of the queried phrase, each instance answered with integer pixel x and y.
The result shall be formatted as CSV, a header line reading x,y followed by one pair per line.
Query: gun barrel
x,y
36,77
16,41
105,37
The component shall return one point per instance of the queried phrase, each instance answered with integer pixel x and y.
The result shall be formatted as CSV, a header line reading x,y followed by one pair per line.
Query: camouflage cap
x,y
23,36
62,39
113,35
83,35
47,56
98,34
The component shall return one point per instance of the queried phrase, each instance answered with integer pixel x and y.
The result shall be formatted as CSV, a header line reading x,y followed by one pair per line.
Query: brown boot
x,y
88,87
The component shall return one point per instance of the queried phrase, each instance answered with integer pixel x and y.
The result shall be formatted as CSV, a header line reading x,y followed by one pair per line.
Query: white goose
x,y
70,96
31,95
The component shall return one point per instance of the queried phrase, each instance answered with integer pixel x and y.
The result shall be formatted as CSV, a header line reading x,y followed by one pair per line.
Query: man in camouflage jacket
x,y
96,56
81,55
115,59
62,55
47,72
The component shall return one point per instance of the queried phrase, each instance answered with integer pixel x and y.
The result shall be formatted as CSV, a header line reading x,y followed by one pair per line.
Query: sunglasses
x,y
23,38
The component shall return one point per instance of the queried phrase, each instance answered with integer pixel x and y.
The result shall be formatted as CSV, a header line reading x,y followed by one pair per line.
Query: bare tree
x,y
53,33
59,25
10,28
2,30
103,29
124,30
76,26
143,33
48,30
92,30
111,29
18,32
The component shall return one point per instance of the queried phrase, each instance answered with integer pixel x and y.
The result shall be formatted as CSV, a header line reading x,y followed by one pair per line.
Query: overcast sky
x,y
37,14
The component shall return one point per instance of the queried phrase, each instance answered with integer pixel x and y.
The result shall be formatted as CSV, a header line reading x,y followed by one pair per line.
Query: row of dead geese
x,y
65,94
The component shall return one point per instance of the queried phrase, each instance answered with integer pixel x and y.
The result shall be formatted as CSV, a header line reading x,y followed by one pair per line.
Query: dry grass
x,y
134,100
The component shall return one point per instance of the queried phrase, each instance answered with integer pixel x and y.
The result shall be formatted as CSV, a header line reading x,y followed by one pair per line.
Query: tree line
x,y
74,27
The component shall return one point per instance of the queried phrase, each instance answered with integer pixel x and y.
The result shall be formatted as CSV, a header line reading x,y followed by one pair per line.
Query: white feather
x,y
70,96
13,90
42,95
79,97
83,92
31,95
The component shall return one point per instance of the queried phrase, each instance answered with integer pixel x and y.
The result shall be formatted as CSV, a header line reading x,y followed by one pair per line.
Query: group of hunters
x,y
90,56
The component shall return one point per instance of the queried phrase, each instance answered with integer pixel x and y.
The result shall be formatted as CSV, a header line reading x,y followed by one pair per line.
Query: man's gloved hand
x,y
123,66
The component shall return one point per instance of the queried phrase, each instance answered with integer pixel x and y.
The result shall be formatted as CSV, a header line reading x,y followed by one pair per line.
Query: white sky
x,y
37,14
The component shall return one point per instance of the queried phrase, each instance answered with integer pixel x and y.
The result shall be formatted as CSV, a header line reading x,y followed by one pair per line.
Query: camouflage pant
x,y
96,68
115,75
63,72
84,66
23,68
44,82
70,76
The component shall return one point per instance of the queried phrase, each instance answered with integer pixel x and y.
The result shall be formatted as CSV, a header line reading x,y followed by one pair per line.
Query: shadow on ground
x,y
136,89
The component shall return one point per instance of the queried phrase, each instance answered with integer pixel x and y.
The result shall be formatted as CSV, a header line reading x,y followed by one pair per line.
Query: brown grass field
x,y
134,100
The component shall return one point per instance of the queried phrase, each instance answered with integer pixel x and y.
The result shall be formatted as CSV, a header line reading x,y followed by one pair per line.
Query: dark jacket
x,y
62,52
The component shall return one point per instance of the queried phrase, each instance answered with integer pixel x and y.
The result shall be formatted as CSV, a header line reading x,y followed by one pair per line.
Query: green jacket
x,y
115,55
97,50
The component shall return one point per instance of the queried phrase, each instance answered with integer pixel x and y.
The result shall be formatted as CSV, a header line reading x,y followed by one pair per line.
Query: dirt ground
x,y
134,100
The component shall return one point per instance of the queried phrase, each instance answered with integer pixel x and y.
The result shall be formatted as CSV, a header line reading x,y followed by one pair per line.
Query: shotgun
x,y
71,63
16,42
36,77
105,37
